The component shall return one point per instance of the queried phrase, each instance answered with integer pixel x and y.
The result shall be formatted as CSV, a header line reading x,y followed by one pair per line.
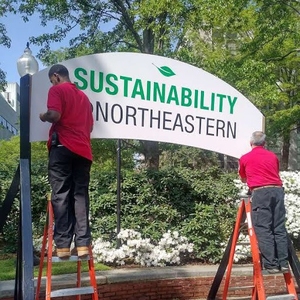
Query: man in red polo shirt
x,y
70,158
259,168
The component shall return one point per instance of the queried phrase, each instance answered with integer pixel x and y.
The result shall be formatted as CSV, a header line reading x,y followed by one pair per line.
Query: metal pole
x,y
118,190
26,246
9,198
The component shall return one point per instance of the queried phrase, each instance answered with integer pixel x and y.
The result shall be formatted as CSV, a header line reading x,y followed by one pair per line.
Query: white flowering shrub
x,y
37,243
291,183
134,248
242,249
243,188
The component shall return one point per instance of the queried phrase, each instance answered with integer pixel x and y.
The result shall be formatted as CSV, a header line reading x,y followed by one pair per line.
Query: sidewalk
x,y
132,274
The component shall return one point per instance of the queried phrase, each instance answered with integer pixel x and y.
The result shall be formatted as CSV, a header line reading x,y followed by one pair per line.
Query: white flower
x,y
142,251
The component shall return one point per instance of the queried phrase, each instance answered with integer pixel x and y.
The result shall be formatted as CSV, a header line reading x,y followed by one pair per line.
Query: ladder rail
x,y
93,280
49,256
236,232
290,285
257,267
43,249
78,281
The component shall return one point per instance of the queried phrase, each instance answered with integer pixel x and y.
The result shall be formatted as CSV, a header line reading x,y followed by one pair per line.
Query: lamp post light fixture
x,y
27,64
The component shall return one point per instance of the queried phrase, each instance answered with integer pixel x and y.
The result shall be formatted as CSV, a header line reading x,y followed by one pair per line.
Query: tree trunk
x,y
285,153
151,153
151,148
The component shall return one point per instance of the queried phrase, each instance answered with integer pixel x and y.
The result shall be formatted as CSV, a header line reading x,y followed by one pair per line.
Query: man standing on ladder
x,y
70,158
259,168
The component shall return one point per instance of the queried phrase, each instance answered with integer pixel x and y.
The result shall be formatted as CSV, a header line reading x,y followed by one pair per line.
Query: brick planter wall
x,y
183,286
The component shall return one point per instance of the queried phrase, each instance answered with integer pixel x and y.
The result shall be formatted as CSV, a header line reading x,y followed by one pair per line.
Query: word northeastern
x,y
165,120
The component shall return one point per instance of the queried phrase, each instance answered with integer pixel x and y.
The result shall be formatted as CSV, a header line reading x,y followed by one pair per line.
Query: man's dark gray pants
x,y
69,176
268,217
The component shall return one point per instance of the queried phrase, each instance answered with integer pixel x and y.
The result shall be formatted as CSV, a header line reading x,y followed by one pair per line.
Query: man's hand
x,y
42,117
50,116
243,179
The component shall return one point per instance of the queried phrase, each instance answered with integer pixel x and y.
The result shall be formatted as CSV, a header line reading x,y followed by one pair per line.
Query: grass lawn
x,y
8,267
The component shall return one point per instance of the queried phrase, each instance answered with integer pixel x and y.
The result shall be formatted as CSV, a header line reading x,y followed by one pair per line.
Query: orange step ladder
x,y
258,290
76,291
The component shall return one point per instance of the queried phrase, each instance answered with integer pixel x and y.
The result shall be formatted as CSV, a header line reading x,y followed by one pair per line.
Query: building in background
x,y
10,111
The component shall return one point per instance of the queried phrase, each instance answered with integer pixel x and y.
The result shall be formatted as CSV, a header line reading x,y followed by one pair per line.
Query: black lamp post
x,y
27,65
24,287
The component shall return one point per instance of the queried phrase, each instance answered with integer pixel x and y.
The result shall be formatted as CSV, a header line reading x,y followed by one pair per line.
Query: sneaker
x,y
285,270
83,251
273,271
63,253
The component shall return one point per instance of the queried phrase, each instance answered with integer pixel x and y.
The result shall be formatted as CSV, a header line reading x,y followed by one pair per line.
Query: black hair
x,y
58,69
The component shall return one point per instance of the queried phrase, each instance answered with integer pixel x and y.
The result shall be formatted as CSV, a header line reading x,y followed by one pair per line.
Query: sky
x,y
19,33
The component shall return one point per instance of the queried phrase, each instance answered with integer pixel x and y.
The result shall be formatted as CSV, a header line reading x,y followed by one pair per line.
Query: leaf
x,y
166,71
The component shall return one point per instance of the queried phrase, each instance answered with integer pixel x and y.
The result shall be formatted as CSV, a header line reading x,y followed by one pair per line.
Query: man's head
x,y
58,74
258,138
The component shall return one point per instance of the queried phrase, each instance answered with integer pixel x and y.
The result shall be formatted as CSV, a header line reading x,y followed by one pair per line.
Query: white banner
x,y
148,97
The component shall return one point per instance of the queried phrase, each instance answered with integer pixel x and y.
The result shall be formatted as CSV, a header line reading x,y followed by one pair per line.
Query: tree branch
x,y
282,57
292,7
121,8
120,41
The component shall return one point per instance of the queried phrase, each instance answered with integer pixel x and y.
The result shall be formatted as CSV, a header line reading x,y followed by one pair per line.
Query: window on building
x,y
2,122
8,126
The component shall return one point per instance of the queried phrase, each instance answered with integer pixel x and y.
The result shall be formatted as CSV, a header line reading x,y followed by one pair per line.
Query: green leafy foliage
x,y
187,197
252,45
192,202
153,202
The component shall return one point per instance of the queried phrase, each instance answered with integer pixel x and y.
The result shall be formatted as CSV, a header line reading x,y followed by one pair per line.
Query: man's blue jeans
x,y
268,218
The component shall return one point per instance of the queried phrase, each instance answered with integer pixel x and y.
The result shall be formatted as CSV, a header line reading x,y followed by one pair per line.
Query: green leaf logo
x,y
166,71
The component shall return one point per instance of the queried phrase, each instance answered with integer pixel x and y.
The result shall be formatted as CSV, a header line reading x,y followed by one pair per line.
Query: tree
x,y
239,41
258,54
274,46
175,156
154,27
4,40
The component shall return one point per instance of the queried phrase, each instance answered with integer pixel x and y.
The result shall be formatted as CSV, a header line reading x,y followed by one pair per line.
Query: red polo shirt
x,y
260,167
76,121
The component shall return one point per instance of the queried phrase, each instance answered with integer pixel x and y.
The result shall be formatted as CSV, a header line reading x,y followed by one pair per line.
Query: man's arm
x,y
242,173
50,116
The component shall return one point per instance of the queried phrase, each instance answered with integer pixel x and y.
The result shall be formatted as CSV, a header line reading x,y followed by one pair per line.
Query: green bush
x,y
194,202
197,203
39,190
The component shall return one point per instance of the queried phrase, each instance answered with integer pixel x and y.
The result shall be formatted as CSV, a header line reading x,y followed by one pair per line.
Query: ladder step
x,y
235,288
239,298
72,291
71,258
243,244
282,297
